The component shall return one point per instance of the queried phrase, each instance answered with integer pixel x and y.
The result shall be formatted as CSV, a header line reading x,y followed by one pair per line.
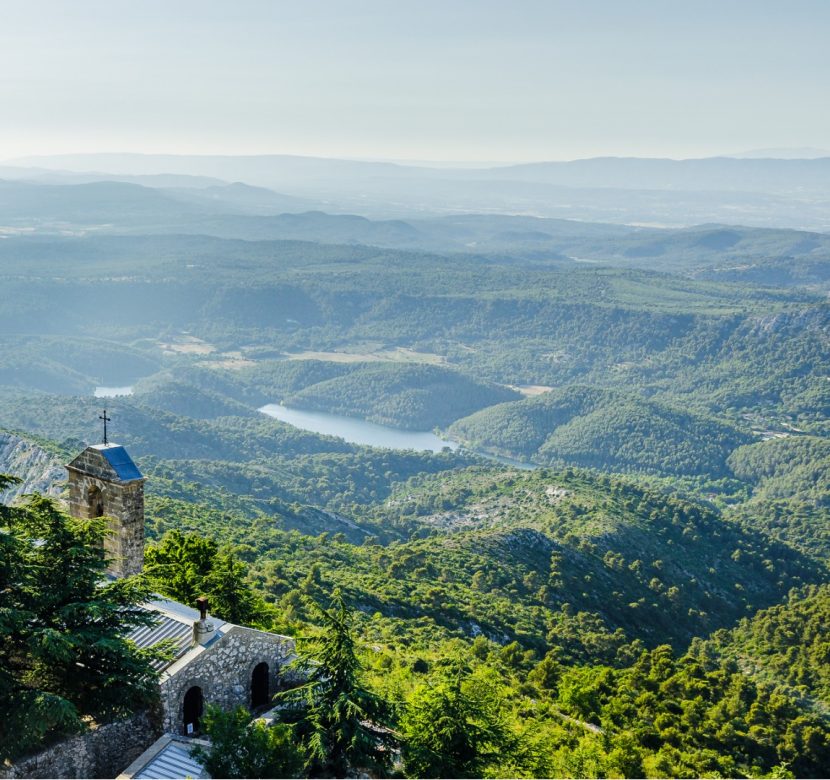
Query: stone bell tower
x,y
104,482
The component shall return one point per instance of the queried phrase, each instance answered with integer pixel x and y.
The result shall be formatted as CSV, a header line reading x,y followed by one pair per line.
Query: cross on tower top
x,y
106,420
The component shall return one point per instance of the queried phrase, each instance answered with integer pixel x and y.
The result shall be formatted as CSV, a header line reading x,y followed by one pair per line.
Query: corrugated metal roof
x,y
164,627
173,762
173,621
122,464
179,611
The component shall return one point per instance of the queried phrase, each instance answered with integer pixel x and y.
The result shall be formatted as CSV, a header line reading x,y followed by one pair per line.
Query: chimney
x,y
203,629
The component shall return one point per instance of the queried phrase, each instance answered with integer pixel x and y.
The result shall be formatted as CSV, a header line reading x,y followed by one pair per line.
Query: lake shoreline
x,y
358,431
355,430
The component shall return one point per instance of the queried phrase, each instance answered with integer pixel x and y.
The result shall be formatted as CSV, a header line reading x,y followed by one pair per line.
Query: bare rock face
x,y
41,471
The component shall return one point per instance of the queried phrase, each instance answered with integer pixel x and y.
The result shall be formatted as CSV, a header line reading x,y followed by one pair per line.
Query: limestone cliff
x,y
40,470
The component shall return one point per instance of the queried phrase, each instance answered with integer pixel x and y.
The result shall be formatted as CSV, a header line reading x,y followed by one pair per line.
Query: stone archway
x,y
192,707
260,689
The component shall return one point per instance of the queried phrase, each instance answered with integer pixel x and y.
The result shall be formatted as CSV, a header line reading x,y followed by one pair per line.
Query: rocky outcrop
x,y
40,470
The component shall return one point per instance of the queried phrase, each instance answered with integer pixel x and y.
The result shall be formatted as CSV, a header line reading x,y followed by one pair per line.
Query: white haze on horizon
x,y
464,81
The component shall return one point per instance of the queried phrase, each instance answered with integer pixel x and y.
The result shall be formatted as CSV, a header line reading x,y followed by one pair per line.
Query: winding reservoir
x,y
357,431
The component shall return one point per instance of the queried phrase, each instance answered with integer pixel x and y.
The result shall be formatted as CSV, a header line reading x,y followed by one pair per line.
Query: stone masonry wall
x,y
223,672
102,752
121,501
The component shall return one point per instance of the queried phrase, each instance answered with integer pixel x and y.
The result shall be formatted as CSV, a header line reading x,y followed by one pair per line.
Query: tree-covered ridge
x,y
789,497
191,392
787,644
273,380
416,397
694,716
785,466
585,561
603,428
53,363
769,365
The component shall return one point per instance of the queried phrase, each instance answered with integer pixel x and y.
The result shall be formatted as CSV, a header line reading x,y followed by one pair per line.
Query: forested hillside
x,y
413,396
786,645
724,349
528,577
790,490
604,429
645,600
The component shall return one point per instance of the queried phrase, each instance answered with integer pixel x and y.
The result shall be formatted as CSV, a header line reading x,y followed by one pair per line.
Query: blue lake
x,y
356,431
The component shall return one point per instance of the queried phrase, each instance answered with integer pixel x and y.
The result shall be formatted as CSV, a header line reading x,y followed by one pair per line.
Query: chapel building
x,y
214,662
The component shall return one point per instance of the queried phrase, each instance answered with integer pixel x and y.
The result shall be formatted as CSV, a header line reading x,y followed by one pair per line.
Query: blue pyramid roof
x,y
122,464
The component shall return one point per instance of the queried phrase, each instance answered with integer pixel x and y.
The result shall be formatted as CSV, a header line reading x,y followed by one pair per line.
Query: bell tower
x,y
104,482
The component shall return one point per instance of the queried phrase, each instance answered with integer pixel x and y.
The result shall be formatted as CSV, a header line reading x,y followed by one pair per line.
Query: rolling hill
x,y
605,429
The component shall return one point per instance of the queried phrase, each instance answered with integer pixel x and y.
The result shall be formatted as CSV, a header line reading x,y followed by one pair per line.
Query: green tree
x,y
342,725
240,748
455,726
186,566
63,655
547,672
231,597
178,564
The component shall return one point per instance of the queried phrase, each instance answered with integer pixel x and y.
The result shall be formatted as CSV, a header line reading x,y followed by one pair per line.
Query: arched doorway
x,y
259,686
94,502
193,703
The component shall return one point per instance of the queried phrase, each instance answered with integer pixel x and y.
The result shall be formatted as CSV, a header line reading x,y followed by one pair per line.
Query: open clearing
x,y
397,355
188,345
529,390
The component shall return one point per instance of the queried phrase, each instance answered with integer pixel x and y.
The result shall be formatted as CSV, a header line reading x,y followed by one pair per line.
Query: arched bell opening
x,y
95,502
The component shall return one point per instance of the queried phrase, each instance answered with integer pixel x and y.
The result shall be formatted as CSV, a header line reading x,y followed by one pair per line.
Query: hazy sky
x,y
453,79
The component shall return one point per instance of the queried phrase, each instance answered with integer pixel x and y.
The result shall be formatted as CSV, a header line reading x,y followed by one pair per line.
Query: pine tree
x,y
231,597
186,566
63,656
179,563
454,726
241,749
343,726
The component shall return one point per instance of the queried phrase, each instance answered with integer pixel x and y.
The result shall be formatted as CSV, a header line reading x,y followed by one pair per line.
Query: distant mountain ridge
x,y
784,153
122,202
710,173
768,192
780,257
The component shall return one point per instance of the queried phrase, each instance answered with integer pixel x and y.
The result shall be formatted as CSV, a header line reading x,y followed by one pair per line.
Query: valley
x,y
567,473
415,390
